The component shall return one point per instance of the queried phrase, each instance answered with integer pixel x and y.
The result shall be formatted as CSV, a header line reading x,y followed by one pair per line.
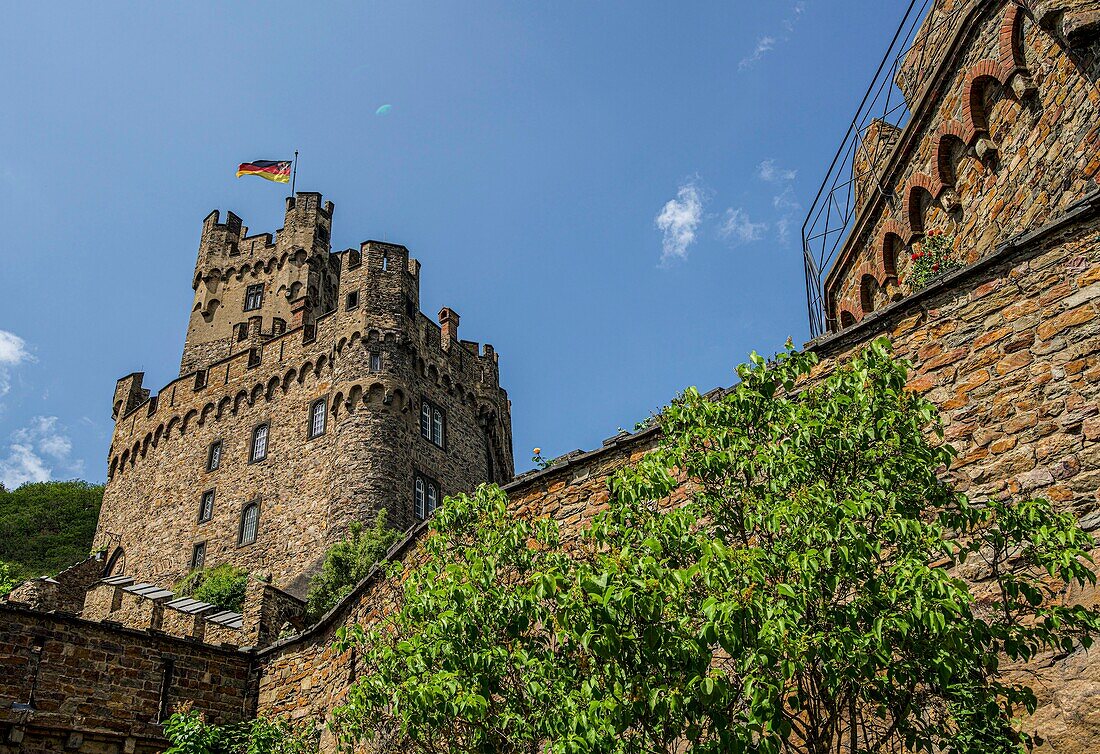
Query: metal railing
x,y
904,70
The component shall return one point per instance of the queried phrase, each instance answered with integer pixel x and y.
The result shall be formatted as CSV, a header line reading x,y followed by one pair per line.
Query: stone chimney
x,y
448,323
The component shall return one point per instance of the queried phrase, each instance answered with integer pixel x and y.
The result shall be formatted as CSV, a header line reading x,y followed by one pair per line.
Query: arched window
x,y
318,414
117,563
250,522
433,498
418,503
259,444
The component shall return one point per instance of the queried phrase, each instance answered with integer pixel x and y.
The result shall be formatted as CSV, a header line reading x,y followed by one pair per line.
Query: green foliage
x,y
935,257
7,579
804,598
222,585
347,563
541,462
189,733
46,527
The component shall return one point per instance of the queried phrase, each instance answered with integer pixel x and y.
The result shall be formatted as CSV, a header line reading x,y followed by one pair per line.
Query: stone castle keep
x,y
313,393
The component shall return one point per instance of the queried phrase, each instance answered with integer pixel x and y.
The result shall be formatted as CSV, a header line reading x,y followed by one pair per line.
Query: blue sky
x,y
611,193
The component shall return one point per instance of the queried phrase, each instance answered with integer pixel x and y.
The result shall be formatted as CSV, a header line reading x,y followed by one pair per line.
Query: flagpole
x,y
294,173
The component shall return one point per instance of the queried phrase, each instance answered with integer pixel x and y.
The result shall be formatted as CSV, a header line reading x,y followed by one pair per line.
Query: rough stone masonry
x,y
1002,152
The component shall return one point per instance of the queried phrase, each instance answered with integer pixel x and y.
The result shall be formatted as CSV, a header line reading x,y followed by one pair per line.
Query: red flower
x,y
935,267
914,256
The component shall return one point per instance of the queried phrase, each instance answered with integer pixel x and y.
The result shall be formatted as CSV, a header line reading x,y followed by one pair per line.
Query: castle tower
x,y
312,393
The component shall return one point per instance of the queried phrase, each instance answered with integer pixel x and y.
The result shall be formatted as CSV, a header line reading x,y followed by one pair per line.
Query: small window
x,y
432,423
352,300
318,413
375,361
426,496
254,297
200,379
259,444
410,310
253,357
206,507
250,522
242,332
385,261
278,326
214,457
198,555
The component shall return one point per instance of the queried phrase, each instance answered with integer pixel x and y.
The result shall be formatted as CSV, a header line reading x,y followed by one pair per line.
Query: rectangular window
x,y
259,444
206,507
433,423
253,357
352,300
426,496
254,297
242,332
214,457
198,555
318,413
200,379
375,361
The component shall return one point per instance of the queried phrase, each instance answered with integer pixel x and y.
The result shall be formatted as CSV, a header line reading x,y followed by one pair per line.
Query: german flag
x,y
278,171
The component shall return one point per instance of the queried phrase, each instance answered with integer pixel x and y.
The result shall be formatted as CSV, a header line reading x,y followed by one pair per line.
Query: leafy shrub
x,y
7,580
347,563
936,257
189,733
221,585
46,527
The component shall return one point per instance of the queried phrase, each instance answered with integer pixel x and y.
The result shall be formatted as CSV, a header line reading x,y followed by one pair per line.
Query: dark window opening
x,y
166,680
318,415
214,457
250,522
433,423
253,357
426,496
352,300
242,332
254,297
198,555
258,451
200,379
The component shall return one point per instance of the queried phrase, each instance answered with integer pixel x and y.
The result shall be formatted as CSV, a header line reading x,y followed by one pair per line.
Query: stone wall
x,y
63,592
72,685
1008,348
1005,137
373,360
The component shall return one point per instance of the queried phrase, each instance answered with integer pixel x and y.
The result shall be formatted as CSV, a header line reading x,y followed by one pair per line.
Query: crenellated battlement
x,y
281,329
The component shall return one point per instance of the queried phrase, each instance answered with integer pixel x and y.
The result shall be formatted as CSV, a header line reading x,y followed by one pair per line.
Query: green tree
x,y
7,579
222,585
804,598
46,527
189,733
347,563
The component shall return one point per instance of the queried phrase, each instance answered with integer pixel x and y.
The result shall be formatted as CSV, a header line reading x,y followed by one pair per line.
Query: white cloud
x,y
36,452
739,228
772,173
678,220
13,349
764,45
13,352
766,42
786,204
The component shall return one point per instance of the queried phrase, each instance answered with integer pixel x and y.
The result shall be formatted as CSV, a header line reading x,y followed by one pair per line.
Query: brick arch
x,y
918,183
892,238
946,170
847,319
974,114
1010,41
867,284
